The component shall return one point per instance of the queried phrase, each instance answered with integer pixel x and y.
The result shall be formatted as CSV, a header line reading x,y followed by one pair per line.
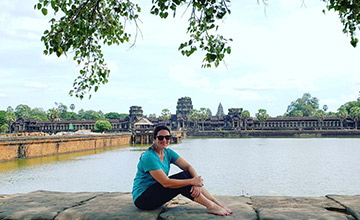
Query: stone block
x,y
40,204
351,203
182,208
302,208
108,206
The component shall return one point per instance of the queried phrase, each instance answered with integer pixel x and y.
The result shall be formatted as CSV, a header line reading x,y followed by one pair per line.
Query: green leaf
x,y
228,50
44,11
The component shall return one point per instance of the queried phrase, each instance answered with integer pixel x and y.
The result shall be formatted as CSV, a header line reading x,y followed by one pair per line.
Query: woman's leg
x,y
157,195
210,197
206,199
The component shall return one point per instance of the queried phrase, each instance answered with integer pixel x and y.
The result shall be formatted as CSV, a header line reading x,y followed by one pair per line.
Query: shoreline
x,y
14,148
19,147
275,133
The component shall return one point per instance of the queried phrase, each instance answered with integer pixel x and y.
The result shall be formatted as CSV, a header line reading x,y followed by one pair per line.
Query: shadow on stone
x,y
350,203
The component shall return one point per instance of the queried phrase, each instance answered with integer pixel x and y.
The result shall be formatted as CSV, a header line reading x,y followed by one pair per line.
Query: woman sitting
x,y
152,186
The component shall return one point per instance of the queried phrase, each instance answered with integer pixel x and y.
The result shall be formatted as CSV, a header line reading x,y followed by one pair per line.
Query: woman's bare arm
x,y
166,182
182,164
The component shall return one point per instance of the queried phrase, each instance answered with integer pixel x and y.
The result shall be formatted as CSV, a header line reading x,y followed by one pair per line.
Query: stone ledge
x,y
117,205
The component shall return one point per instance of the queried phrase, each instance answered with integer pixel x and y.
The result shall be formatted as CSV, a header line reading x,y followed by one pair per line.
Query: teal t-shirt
x,y
151,161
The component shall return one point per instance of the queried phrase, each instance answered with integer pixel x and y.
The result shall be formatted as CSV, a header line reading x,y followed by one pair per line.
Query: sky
x,y
279,52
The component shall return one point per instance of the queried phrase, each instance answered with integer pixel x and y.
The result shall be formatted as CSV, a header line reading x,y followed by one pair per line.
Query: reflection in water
x,y
18,164
229,166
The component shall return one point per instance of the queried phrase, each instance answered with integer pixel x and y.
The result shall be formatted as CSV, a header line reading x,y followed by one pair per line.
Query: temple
x,y
182,121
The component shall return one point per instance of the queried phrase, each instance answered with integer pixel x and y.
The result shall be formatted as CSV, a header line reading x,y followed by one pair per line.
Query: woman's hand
x,y
195,191
197,181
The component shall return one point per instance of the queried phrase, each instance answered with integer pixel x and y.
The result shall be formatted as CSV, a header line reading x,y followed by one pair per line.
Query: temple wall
x,y
275,133
12,149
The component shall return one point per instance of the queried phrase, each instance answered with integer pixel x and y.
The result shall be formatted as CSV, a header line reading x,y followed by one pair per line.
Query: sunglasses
x,y
160,138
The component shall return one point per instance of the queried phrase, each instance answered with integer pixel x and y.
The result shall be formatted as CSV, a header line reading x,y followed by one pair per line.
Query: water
x,y
250,166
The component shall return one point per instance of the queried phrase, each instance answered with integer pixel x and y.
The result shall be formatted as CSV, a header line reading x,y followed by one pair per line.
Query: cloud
x,y
188,77
2,95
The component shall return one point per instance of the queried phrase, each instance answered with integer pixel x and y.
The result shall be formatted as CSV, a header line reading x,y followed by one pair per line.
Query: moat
x,y
247,166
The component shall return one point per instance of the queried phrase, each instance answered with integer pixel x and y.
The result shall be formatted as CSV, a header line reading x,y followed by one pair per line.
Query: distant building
x,y
181,121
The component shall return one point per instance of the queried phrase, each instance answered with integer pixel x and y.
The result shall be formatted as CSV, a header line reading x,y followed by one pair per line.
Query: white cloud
x,y
188,77
2,95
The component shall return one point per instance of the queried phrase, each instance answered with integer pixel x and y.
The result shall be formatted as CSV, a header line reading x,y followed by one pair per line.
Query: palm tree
x,y
53,116
194,116
203,115
342,115
244,116
320,115
72,107
262,116
355,115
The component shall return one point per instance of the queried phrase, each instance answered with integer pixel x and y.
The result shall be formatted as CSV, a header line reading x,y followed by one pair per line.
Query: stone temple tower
x,y
183,108
135,113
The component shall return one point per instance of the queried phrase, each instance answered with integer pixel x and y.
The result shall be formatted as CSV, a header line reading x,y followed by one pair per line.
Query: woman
x,y
152,186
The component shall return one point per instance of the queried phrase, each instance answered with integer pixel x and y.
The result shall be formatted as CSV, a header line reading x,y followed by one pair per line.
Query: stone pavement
x,y
115,205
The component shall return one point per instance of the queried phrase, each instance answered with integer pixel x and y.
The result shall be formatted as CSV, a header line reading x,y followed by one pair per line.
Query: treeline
x,y
59,112
305,106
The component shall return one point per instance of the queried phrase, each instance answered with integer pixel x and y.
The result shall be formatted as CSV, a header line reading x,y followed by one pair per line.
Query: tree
x,y
194,116
245,115
298,113
71,116
203,115
123,115
306,104
325,108
10,117
349,16
22,111
84,26
320,115
165,115
342,114
102,126
112,115
262,116
38,113
355,115
152,115
3,117
350,105
220,111
53,116
62,109
4,127
72,107
91,115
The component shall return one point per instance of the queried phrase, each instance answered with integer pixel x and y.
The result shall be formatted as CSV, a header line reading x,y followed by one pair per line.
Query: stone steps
x,y
116,205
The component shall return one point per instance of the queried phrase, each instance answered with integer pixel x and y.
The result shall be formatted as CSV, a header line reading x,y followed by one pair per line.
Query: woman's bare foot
x,y
227,209
217,210
224,207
